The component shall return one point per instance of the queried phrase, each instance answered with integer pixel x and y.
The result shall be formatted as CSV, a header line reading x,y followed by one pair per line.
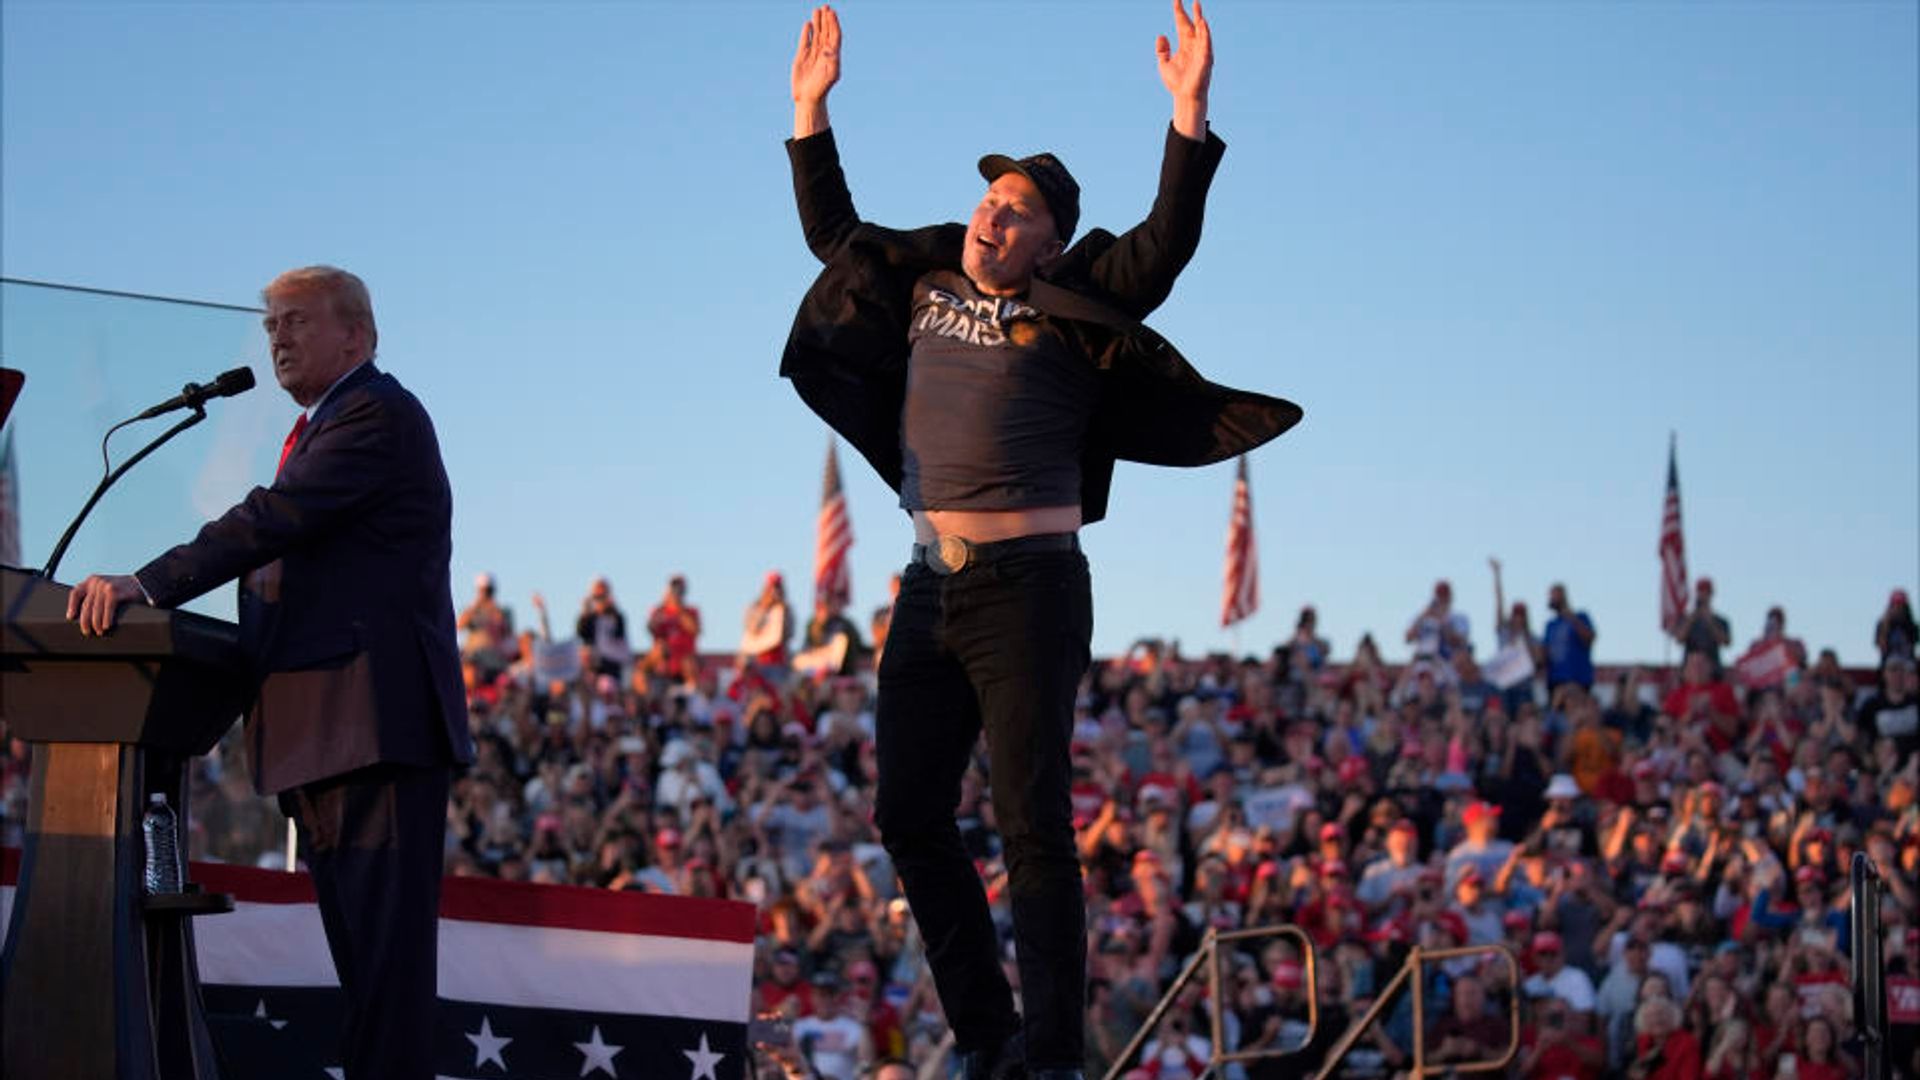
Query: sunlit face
x,y
311,345
1009,234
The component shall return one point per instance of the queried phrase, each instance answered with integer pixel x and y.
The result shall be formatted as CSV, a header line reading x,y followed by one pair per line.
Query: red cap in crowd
x,y
1479,811
1289,975
1453,923
1331,831
1809,874
1546,941
1674,862
1516,920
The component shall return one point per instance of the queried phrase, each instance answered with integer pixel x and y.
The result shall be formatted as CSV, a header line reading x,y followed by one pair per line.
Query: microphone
x,y
227,384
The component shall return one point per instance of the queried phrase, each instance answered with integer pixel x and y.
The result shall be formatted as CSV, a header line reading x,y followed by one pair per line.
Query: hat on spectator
x,y
1453,923
774,578
1562,786
1546,941
1516,920
1331,831
1645,769
1713,788
1393,930
825,980
1469,873
1899,597
785,955
1479,810
1704,585
1352,769
1819,836
1289,975
483,580
1809,874
1333,868
1673,862
667,838
1405,825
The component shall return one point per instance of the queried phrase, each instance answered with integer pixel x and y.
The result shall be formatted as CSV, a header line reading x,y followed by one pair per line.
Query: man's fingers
x,y
1162,48
78,594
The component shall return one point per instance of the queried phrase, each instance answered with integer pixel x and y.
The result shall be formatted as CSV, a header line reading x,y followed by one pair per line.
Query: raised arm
x,y
1136,271
819,187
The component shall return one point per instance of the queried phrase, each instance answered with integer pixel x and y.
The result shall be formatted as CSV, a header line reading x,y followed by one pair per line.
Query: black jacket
x,y
348,613
847,351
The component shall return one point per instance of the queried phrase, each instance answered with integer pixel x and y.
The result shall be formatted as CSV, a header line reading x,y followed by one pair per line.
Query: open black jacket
x,y
847,351
345,605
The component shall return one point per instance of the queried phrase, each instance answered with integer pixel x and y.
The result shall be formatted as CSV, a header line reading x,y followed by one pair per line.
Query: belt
x,y
952,554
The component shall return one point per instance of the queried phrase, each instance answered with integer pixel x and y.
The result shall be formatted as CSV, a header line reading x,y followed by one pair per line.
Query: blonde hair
x,y
345,292
1644,1016
1732,1039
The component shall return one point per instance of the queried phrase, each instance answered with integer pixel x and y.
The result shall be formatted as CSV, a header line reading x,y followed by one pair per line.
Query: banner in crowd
x,y
535,980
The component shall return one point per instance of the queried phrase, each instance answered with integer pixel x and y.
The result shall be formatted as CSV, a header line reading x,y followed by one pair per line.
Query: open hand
x,y
816,62
1187,71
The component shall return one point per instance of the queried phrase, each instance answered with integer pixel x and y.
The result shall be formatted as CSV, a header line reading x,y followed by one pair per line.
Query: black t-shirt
x,y
1899,721
999,399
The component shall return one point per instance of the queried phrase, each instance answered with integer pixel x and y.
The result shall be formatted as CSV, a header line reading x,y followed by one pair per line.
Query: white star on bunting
x,y
487,1045
704,1059
260,1013
599,1055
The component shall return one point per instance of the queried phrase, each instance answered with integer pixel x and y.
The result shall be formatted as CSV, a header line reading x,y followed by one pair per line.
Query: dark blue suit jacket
x,y
346,607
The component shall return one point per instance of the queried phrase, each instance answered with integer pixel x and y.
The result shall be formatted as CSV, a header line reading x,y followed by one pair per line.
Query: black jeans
x,y
1000,645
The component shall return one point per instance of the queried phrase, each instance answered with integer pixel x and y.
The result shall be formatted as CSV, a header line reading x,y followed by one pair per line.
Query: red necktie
x,y
286,448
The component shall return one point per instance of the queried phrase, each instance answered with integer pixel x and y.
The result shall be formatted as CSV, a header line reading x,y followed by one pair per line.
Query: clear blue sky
x,y
1497,250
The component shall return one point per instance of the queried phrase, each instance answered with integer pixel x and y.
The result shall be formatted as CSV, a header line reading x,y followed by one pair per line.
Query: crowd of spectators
x,y
1663,851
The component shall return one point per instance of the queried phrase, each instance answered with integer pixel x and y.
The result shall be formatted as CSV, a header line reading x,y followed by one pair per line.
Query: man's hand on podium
x,y
95,602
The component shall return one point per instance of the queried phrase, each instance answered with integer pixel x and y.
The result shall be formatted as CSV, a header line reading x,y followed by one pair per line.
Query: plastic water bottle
x,y
161,830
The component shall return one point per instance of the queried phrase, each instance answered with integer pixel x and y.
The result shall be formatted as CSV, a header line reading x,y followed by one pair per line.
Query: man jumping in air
x,y
992,375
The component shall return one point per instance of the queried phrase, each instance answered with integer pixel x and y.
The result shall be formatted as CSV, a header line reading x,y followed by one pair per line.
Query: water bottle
x,y
161,830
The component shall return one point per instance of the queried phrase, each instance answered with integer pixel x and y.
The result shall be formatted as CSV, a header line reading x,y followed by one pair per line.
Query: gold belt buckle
x,y
954,552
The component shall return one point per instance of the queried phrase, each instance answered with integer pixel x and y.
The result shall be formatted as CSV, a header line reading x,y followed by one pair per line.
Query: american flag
x,y
832,582
535,980
1673,549
1240,596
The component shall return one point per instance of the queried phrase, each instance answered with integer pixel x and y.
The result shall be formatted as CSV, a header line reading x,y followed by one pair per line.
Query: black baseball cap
x,y
1056,185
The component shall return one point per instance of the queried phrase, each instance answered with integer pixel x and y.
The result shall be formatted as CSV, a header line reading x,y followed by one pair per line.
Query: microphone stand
x,y
60,549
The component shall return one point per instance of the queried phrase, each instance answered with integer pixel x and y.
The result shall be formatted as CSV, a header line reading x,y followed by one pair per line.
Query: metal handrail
x,y
1869,990
1208,956
1413,968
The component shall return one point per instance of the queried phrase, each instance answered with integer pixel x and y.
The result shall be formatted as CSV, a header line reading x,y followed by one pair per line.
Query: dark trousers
x,y
374,840
1000,646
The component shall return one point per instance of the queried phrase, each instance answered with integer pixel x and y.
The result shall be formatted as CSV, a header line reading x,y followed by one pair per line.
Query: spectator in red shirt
x,y
1553,1046
675,626
1663,1049
1701,693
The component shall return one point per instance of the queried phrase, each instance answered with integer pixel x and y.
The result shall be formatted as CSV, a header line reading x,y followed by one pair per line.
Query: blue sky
x,y
1497,250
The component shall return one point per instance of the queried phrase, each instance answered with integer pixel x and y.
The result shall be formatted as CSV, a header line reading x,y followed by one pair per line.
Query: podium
x,y
97,979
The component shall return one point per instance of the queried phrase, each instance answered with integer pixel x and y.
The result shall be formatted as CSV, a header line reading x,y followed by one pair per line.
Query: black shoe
x,y
1006,1063
1012,1062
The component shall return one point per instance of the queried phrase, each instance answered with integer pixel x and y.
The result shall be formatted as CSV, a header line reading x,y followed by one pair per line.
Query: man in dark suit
x,y
347,612
993,374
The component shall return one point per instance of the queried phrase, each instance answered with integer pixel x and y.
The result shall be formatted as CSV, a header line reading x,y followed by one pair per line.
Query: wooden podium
x,y
97,979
